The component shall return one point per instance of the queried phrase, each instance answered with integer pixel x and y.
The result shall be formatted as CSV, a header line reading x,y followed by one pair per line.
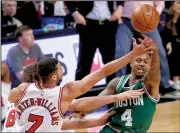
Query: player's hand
x,y
79,19
148,42
79,115
116,14
130,94
104,118
146,46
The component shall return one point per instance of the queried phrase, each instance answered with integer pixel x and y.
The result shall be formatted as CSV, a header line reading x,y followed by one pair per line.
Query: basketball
x,y
145,18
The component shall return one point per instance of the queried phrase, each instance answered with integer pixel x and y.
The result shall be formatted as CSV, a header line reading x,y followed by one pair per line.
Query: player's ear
x,y
54,77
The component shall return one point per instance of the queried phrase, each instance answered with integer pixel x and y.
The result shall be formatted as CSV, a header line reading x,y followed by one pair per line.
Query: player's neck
x,y
134,78
48,85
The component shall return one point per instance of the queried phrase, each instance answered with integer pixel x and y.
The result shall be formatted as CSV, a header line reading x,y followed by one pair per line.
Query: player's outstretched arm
x,y
109,90
77,88
153,76
86,123
88,104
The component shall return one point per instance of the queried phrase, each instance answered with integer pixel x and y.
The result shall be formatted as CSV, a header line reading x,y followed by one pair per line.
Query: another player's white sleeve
x,y
10,124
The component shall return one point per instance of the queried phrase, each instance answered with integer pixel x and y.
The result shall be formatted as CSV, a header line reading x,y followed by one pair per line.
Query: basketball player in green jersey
x,y
135,115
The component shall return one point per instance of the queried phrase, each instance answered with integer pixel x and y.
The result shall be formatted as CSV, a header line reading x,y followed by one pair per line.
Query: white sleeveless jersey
x,y
6,88
39,110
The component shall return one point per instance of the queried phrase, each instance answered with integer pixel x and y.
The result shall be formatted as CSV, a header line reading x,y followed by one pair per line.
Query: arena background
x,y
64,42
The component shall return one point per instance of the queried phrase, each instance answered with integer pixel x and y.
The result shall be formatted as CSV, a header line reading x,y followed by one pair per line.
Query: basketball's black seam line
x,y
140,23
151,17
144,17
137,21
144,28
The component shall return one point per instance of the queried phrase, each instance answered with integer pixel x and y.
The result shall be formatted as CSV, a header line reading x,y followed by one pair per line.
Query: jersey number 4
x,y
37,120
126,116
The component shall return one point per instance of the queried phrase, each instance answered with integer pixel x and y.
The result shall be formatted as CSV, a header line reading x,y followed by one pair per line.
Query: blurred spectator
x,y
44,8
163,16
23,54
126,32
32,12
59,8
50,8
28,14
5,89
171,39
52,14
97,23
9,22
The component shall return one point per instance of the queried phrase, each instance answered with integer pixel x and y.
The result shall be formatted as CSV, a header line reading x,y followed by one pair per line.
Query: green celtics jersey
x,y
133,115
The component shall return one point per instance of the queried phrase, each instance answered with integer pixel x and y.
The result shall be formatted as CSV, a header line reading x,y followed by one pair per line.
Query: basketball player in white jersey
x,y
41,106
29,77
6,88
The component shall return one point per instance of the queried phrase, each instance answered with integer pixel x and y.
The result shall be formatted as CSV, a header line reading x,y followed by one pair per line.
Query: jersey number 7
x,y
37,119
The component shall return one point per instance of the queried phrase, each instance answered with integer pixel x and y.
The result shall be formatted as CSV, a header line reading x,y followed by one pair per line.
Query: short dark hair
x,y
46,67
40,72
20,30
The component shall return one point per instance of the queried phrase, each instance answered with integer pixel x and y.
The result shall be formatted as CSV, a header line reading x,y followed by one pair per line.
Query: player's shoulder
x,y
22,86
113,83
17,92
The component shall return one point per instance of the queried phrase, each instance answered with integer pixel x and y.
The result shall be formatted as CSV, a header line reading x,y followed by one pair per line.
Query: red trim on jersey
x,y
24,92
37,86
59,103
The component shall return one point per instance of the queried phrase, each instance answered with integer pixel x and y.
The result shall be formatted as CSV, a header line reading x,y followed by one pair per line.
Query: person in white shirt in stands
x,y
124,43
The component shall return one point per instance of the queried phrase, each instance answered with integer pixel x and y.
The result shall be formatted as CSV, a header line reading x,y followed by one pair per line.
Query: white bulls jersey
x,y
39,110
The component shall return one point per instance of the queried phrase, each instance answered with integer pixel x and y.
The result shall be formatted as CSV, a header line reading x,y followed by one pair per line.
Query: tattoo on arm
x,y
111,87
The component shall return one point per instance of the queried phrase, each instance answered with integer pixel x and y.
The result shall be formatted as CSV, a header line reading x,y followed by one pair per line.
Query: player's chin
x,y
140,73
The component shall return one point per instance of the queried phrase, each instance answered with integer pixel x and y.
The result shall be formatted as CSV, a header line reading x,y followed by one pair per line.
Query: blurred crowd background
x,y
100,24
